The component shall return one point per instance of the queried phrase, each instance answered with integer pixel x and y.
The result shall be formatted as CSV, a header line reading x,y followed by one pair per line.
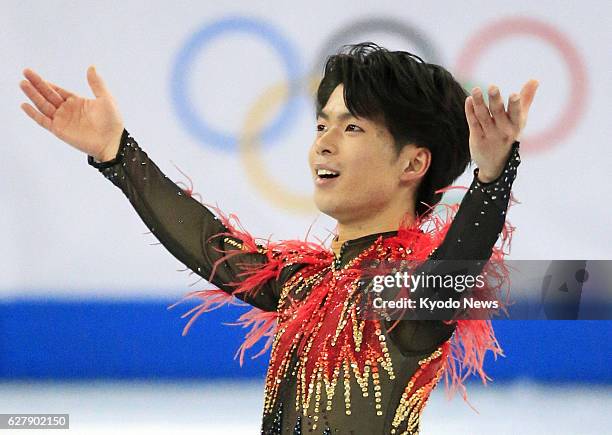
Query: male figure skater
x,y
391,130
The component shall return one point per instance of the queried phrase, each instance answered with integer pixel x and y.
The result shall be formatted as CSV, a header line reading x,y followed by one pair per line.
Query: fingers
x,y
96,83
61,91
498,111
482,111
43,88
494,120
514,110
42,120
472,120
41,102
528,93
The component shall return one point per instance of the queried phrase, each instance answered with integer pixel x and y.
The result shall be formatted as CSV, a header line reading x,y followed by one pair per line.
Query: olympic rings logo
x,y
259,130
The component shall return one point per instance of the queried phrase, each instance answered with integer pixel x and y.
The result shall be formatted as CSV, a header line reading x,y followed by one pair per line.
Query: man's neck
x,y
354,232
356,229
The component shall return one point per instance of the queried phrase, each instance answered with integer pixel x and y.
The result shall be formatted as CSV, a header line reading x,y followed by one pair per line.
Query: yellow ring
x,y
250,155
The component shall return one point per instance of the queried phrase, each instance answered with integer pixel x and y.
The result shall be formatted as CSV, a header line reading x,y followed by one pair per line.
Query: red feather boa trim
x,y
462,356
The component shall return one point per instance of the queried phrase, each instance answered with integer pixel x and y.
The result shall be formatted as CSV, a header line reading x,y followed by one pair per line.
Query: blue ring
x,y
188,114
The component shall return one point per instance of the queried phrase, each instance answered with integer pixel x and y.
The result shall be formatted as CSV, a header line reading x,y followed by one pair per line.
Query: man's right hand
x,y
93,126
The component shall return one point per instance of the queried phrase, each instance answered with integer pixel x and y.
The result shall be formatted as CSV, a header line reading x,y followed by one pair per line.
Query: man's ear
x,y
415,162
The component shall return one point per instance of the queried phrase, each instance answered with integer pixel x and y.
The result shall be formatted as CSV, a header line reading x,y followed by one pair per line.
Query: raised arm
x,y
183,225
189,230
479,221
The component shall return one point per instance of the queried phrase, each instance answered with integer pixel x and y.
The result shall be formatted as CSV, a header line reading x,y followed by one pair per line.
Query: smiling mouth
x,y
325,177
327,174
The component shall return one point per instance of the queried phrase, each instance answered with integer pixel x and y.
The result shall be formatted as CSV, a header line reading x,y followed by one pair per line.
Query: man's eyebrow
x,y
343,116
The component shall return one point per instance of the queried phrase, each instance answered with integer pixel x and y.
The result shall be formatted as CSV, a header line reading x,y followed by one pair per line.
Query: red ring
x,y
507,27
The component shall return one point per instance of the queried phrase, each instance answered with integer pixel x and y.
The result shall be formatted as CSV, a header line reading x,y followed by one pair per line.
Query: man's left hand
x,y
494,129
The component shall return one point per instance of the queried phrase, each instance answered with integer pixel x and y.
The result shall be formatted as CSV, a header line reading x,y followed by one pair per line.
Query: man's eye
x,y
353,127
320,127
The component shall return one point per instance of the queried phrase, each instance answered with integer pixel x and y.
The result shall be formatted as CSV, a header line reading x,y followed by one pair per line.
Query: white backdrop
x,y
66,230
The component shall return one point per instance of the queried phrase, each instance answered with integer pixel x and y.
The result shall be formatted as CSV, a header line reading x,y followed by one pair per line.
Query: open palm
x,y
494,128
93,126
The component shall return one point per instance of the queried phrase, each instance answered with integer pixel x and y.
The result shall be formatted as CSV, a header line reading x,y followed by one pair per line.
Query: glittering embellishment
x,y
241,246
413,399
330,350
277,423
504,181
297,430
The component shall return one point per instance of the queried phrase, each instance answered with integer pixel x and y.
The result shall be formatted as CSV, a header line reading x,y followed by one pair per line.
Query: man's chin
x,y
338,212
328,208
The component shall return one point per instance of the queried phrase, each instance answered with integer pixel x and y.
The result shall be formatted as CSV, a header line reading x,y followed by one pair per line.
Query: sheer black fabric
x,y
182,224
185,227
471,236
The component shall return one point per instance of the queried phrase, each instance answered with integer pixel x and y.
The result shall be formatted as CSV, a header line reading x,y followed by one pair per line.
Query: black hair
x,y
418,102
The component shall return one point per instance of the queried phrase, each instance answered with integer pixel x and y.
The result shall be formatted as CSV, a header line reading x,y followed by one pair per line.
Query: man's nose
x,y
327,143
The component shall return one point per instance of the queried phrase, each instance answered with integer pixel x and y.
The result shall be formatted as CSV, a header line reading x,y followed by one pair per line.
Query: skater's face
x,y
355,167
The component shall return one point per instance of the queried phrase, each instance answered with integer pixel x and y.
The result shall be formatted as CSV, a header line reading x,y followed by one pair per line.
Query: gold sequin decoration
x,y
316,388
411,405
241,245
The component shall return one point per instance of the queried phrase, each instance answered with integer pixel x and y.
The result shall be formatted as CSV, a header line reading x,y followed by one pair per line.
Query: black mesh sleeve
x,y
471,236
182,224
